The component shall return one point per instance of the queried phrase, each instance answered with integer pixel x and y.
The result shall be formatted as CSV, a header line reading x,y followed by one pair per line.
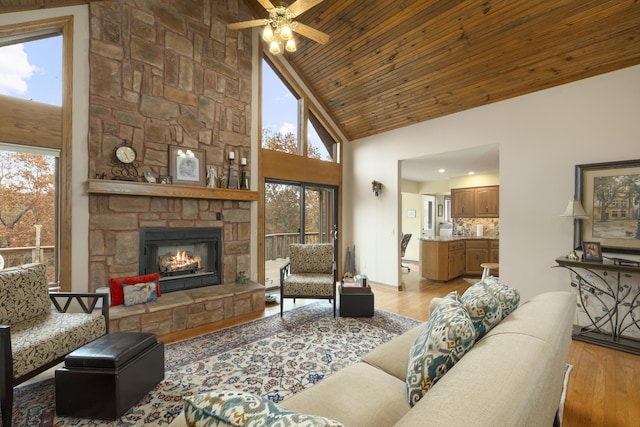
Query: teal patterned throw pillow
x,y
483,308
507,297
445,338
240,409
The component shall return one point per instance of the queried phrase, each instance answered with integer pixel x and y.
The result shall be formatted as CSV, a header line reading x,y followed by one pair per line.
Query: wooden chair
x,y
310,273
403,247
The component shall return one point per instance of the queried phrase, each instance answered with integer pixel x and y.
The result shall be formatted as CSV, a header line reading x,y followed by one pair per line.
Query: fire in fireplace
x,y
185,257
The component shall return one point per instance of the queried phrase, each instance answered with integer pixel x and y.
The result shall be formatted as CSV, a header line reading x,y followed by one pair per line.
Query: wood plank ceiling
x,y
393,63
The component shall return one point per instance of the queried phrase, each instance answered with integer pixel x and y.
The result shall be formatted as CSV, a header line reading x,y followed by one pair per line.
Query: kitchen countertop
x,y
456,238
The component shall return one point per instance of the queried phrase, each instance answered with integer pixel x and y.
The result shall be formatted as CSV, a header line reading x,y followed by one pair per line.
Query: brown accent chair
x,y
310,273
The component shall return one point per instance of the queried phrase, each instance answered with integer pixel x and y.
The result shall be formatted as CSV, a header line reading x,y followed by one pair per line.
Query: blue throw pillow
x,y
507,297
483,308
445,338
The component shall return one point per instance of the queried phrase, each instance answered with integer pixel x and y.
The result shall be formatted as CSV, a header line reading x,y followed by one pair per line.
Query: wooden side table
x,y
356,302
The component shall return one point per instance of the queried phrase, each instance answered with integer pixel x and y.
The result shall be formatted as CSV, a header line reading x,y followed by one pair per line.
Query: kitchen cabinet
x,y
476,252
463,202
441,261
475,202
445,260
494,251
487,202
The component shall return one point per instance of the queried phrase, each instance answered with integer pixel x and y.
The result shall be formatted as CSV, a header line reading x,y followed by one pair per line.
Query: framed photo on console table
x,y
592,251
610,195
187,165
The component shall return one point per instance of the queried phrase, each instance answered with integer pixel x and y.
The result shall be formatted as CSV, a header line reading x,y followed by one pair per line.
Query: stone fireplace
x,y
186,258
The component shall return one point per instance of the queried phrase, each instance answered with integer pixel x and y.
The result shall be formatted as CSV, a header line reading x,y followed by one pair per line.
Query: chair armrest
x,y
285,270
6,369
92,299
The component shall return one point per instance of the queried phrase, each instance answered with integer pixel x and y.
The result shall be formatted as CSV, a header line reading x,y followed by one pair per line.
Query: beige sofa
x,y
511,377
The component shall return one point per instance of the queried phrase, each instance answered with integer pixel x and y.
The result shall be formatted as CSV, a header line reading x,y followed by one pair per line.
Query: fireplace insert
x,y
185,257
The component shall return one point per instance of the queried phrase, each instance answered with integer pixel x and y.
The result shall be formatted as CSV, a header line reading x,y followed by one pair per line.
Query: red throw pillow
x,y
117,295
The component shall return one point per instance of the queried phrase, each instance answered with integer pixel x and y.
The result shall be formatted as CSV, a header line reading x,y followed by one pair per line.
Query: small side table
x,y
356,302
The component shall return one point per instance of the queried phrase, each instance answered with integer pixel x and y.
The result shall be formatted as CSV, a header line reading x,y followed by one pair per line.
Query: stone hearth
x,y
181,310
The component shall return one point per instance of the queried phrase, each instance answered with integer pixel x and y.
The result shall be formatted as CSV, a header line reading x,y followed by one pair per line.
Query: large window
x,y
31,86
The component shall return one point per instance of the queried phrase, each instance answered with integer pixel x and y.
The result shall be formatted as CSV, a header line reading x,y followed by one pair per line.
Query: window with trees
x,y
31,64
287,123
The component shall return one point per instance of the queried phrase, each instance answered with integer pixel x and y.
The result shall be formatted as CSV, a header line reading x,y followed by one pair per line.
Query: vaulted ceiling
x,y
392,63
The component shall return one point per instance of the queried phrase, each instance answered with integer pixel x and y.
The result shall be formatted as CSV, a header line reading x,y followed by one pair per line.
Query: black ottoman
x,y
106,377
356,302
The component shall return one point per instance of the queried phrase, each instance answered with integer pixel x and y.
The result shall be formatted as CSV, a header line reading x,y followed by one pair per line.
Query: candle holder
x,y
232,179
243,176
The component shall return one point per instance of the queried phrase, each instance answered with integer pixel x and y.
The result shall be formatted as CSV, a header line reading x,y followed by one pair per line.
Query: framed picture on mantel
x,y
187,165
610,195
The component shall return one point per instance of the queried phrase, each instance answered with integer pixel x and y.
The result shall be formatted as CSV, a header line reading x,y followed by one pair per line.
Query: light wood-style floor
x,y
604,385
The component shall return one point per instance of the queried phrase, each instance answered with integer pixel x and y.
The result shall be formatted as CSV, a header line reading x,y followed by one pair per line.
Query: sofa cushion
x,y
46,338
234,408
483,308
446,337
311,258
507,297
392,357
358,395
309,284
117,295
24,293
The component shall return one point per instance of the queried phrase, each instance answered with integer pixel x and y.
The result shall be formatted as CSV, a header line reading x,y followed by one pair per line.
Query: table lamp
x,y
576,211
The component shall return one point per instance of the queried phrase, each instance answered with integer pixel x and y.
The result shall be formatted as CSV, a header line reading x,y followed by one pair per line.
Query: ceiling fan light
x,y
274,47
290,46
267,33
285,32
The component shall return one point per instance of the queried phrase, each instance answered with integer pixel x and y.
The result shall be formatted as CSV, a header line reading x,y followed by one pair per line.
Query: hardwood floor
x,y
604,385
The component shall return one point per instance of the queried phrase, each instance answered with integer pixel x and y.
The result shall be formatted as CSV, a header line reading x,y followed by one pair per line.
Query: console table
x,y
609,294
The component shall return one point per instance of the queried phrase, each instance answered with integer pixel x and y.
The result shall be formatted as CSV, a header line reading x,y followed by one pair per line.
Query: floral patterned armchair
x,y
310,273
36,332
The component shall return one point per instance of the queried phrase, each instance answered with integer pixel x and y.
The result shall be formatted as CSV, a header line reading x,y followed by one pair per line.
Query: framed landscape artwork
x,y
610,195
186,165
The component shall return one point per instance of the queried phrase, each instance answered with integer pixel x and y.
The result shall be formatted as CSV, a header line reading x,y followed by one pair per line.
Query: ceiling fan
x,y
279,26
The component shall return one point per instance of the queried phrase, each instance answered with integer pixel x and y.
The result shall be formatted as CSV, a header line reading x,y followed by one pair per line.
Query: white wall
x,y
80,129
542,136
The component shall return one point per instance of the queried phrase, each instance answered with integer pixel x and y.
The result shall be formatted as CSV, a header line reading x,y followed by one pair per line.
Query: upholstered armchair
x,y
310,273
36,332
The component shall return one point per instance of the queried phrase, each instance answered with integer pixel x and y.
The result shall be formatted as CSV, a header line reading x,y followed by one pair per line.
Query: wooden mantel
x,y
128,188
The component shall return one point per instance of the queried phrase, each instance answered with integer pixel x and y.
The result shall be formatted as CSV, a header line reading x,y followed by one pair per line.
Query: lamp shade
x,y
575,210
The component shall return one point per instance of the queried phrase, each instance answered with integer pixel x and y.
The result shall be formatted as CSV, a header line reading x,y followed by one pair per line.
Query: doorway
x,y
428,215
296,212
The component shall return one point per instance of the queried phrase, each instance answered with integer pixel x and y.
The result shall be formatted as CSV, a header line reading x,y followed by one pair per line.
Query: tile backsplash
x,y
468,226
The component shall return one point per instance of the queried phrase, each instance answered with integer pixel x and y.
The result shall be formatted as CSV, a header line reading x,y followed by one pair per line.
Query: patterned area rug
x,y
273,356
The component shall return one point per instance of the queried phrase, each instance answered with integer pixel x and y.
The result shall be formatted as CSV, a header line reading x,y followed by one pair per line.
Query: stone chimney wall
x,y
166,73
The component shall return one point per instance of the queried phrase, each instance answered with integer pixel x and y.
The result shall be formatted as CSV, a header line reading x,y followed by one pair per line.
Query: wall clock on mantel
x,y
124,163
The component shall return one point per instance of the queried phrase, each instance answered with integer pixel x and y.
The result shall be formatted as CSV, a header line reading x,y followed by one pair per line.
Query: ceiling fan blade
x,y
246,24
266,4
300,6
311,33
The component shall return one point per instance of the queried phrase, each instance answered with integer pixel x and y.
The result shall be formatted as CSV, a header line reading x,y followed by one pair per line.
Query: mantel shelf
x,y
128,188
